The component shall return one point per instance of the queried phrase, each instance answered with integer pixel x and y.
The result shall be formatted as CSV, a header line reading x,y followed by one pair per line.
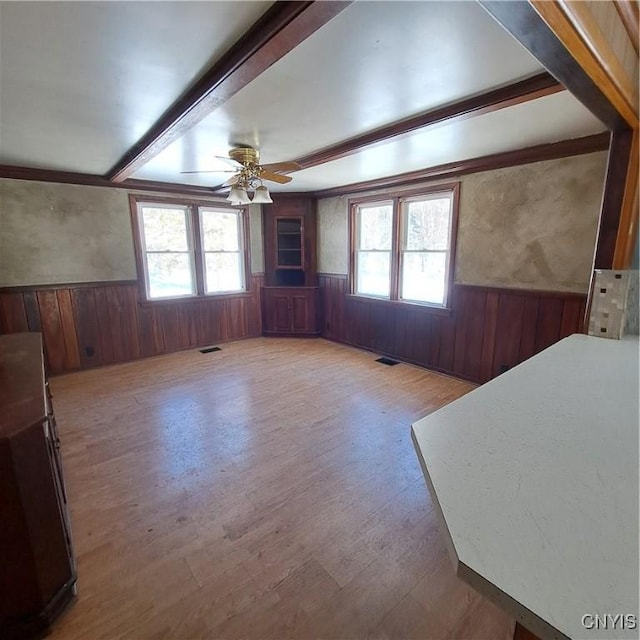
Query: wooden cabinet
x,y
290,310
289,226
37,568
289,253
290,301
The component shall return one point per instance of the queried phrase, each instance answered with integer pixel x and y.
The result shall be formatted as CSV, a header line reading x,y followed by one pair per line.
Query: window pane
x,y
428,224
164,229
219,230
373,274
423,277
375,227
169,275
223,272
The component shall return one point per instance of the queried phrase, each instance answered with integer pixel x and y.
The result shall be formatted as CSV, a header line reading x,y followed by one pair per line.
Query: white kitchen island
x,y
535,475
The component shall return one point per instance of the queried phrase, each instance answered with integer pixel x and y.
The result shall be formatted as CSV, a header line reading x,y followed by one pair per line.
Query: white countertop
x,y
536,478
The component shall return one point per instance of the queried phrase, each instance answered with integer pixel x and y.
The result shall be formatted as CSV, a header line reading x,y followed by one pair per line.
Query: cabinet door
x,y
281,318
53,446
289,243
300,313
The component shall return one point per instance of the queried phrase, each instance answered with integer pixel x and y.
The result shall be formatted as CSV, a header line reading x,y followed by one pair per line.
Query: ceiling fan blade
x,y
211,171
231,181
230,161
285,167
275,177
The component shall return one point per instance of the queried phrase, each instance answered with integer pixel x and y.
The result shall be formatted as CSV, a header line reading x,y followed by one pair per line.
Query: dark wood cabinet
x,y
289,253
290,301
37,568
290,310
289,226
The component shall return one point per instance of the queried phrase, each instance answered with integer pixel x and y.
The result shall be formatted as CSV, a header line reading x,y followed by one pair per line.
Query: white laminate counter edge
x,y
514,608
451,551
565,425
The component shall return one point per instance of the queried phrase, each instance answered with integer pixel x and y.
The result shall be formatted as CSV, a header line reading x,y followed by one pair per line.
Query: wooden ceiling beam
x,y
14,172
576,46
575,24
283,27
566,148
537,86
538,153
523,22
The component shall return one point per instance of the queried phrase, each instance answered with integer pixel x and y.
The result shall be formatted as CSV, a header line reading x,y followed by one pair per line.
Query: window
x,y
402,247
187,249
221,232
373,258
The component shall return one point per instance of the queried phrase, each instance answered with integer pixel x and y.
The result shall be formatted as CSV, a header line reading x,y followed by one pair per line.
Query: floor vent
x,y
387,361
210,349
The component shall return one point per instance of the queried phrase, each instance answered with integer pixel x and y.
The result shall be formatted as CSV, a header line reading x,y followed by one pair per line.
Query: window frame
x,y
397,198
240,223
194,240
356,246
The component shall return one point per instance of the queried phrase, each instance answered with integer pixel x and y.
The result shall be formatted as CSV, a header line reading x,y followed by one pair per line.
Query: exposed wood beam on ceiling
x,y
535,87
93,180
522,21
283,27
570,42
575,24
165,187
566,148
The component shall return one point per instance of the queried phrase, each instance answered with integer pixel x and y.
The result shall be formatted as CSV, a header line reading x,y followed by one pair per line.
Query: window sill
x,y
428,308
198,298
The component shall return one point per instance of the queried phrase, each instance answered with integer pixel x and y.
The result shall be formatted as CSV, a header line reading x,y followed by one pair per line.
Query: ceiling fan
x,y
249,174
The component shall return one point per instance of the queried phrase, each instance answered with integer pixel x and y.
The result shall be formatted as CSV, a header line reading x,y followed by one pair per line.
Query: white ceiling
x,y
556,117
82,81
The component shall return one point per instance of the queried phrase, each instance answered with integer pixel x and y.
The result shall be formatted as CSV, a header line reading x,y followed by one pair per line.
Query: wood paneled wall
x,y
486,330
91,325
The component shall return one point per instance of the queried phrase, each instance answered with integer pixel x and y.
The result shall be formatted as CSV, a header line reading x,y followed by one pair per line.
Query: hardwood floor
x,y
269,490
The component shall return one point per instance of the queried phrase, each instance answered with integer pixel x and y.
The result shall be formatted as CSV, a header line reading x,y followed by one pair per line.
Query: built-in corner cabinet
x,y
37,567
290,299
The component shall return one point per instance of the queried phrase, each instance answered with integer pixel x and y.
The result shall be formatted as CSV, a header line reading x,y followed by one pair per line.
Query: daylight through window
x,y
402,247
186,250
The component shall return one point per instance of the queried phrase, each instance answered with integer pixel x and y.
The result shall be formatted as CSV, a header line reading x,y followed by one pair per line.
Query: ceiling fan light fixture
x,y
238,196
262,195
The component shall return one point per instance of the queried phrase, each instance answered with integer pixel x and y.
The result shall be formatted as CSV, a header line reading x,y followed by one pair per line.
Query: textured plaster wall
x,y
255,236
55,233
528,227
333,235
58,233
532,226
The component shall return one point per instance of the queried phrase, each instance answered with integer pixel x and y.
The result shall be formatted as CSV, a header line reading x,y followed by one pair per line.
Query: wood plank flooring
x,y
269,490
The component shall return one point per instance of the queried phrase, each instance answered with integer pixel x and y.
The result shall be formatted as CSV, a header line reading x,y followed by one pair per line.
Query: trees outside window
x,y
189,249
402,246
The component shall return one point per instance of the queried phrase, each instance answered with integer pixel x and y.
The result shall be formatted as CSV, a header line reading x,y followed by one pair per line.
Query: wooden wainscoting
x,y
89,325
486,330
